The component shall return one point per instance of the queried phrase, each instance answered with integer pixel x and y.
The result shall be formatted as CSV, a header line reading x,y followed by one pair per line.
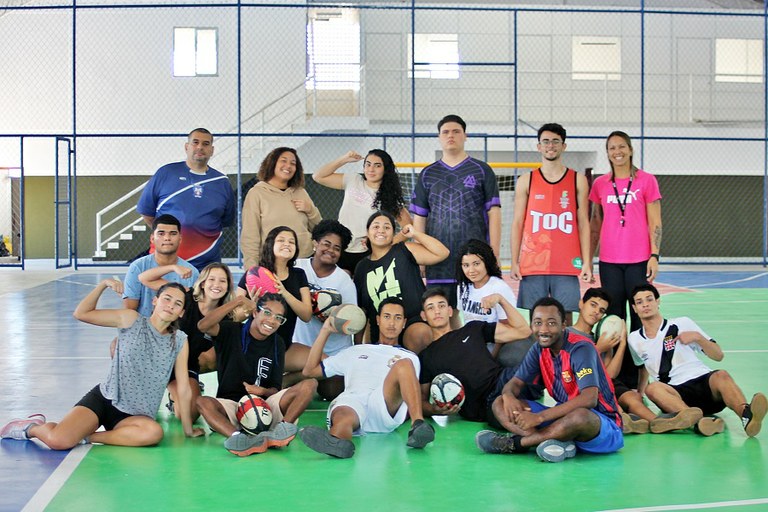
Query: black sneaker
x,y
322,441
421,434
493,442
754,412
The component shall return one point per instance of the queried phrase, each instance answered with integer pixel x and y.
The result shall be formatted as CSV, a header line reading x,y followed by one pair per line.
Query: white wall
x,y
125,85
679,62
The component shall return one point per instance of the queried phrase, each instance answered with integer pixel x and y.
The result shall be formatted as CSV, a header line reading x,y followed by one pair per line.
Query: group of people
x,y
429,281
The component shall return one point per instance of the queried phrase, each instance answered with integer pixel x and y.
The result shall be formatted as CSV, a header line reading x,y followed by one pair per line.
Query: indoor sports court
x,y
51,360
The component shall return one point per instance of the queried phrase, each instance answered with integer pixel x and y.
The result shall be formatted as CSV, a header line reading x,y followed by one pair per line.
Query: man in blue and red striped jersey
x,y
586,416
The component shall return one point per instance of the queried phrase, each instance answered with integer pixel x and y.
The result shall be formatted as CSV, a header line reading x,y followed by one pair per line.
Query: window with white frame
x,y
739,60
333,49
195,51
438,55
595,58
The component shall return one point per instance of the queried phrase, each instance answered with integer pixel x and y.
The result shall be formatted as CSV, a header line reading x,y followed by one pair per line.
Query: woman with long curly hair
x,y
279,198
378,188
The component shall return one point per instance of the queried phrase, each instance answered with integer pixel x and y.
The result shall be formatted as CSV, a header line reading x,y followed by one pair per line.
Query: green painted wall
x,y
38,216
704,216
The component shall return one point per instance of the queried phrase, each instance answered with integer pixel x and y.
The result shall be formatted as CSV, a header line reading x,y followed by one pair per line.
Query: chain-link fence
x,y
125,83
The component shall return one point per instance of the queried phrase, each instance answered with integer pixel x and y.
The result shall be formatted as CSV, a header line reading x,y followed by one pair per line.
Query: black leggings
x,y
619,279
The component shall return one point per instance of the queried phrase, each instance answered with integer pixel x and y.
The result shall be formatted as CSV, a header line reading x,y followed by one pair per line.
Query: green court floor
x,y
652,472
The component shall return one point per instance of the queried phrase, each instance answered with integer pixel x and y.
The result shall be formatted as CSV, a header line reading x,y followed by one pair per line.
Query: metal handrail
x,y
101,226
100,214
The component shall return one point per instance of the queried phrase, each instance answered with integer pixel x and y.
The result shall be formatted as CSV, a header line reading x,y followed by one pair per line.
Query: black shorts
x,y
697,393
619,388
108,414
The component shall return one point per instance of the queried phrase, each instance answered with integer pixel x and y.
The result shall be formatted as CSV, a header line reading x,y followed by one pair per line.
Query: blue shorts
x,y
563,288
609,440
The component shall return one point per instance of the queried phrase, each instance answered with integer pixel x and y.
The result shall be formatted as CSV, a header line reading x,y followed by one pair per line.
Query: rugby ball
x,y
323,301
610,325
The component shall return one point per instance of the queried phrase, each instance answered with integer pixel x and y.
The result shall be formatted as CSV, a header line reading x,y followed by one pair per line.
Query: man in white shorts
x,y
249,359
381,388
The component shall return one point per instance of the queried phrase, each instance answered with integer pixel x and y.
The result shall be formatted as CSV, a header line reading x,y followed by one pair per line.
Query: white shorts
x,y
371,409
230,406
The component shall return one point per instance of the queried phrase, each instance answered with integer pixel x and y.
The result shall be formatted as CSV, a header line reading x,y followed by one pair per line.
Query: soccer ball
x,y
446,390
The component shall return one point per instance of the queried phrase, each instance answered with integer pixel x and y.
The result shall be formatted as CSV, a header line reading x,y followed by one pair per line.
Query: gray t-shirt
x,y
141,367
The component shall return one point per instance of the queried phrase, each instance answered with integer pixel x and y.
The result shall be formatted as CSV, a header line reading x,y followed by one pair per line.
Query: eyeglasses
x,y
269,314
553,142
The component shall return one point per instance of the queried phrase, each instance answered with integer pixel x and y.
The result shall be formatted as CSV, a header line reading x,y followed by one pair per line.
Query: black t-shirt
x,y
199,342
296,280
260,363
463,353
395,275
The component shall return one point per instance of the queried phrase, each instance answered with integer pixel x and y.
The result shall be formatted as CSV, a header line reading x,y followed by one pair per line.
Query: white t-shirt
x,y
469,304
306,332
356,208
685,363
365,367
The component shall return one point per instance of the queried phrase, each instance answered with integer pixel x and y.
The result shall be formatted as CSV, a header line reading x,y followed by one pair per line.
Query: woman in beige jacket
x,y
278,199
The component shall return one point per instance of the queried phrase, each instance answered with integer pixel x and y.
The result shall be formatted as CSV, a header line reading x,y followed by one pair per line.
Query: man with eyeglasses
x,y
550,228
249,360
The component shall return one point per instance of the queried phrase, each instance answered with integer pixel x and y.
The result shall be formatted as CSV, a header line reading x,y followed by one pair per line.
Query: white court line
x,y
58,478
694,506
744,351
89,285
756,276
